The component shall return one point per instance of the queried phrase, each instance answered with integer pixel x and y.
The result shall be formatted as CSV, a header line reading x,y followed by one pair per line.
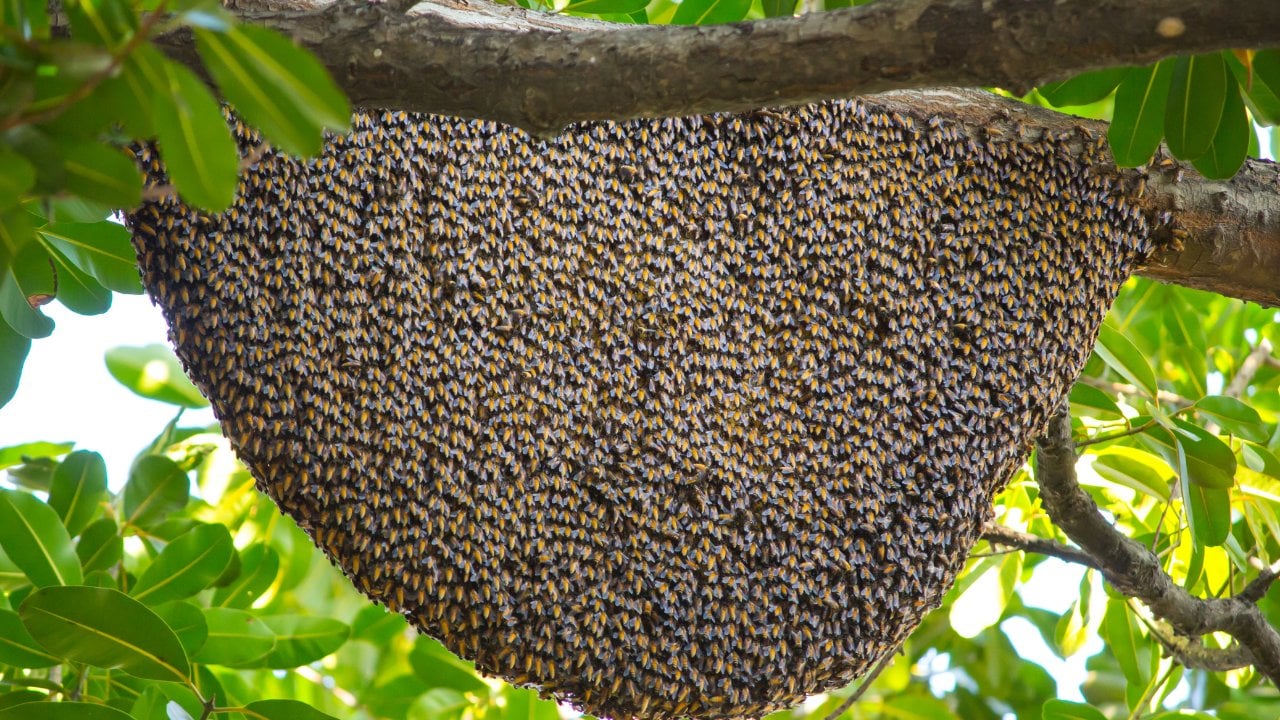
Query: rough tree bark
x,y
542,72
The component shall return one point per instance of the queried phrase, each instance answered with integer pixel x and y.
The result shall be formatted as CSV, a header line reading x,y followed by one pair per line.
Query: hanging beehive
x,y
669,418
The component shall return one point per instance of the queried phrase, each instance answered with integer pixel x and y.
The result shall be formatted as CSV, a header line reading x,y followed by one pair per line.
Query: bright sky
x,y
66,393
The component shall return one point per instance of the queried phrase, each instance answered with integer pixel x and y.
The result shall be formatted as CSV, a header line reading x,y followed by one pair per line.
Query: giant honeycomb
x,y
669,418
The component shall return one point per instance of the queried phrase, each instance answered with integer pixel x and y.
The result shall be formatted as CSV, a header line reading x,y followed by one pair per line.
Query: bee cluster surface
x,y
683,417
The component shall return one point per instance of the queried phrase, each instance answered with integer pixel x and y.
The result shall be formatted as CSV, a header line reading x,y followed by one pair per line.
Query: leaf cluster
x,y
75,98
1203,107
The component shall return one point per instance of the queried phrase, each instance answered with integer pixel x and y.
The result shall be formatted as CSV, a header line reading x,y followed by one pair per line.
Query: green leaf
x,y
1263,88
100,546
1208,508
102,174
778,8
1089,400
18,648
524,704
1208,461
286,710
77,290
1066,710
1138,121
107,629
1072,629
1197,93
102,249
710,12
25,285
15,233
35,540
1085,88
186,620
440,668
13,355
1258,459
17,178
440,703
302,639
19,697
43,153
153,372
236,639
79,487
11,576
189,564
982,602
1234,416
598,7
156,487
1120,630
62,711
1125,358
1135,469
197,146
268,102
1230,144
11,455
105,22
259,566
133,95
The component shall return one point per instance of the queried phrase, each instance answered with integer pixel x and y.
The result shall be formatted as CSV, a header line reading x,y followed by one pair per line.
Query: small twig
x,y
1252,363
862,689
1001,535
1163,396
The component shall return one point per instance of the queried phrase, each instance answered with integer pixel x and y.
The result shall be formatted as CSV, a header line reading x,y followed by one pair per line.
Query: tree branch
x,y
1008,537
542,72
1134,570
1226,233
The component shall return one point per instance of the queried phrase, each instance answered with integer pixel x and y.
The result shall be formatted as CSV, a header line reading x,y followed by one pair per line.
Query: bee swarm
x,y
684,417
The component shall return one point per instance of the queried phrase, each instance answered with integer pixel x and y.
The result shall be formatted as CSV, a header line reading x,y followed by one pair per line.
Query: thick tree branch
x,y
543,72
1226,234
1134,570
